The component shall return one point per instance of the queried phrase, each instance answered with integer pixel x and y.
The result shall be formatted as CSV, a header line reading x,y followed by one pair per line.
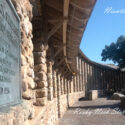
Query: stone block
x,y
39,54
40,67
117,96
123,102
93,94
50,93
27,95
41,101
40,60
31,83
39,47
41,93
42,84
41,76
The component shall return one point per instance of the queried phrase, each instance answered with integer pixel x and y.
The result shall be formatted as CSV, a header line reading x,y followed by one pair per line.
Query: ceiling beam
x,y
60,50
55,20
65,14
78,7
60,62
55,28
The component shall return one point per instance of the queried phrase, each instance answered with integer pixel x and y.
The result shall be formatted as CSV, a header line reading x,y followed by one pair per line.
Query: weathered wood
x,y
60,62
60,50
55,4
55,28
57,20
65,14
78,7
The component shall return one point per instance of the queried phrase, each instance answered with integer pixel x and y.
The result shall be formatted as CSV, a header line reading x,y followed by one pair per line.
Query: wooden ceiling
x,y
66,22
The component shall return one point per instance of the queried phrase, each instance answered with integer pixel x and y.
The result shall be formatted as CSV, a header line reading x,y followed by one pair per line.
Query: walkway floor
x,y
98,112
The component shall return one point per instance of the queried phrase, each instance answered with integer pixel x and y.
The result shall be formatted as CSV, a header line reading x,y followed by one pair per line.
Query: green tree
x,y
115,52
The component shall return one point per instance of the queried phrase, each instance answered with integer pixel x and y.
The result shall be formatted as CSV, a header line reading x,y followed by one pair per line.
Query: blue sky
x,y
103,28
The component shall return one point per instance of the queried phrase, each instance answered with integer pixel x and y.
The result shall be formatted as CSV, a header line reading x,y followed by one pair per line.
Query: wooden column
x,y
115,82
82,74
101,79
74,84
93,77
80,79
124,80
90,69
85,71
78,74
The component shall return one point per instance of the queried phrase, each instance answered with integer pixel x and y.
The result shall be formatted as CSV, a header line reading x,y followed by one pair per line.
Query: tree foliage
x,y
115,52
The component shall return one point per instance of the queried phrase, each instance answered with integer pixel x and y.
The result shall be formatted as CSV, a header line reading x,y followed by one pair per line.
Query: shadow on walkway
x,y
84,112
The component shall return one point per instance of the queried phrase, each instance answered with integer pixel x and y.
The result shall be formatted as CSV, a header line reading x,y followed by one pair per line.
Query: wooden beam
x,y
43,22
60,50
55,4
55,28
57,20
61,69
60,62
70,32
65,14
78,7
81,28
65,72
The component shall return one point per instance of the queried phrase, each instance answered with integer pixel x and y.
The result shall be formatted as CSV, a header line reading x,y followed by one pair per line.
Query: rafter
x,y
60,50
57,20
60,62
55,28
55,4
78,7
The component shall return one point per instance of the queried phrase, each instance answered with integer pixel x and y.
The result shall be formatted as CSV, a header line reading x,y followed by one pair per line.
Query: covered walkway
x,y
102,111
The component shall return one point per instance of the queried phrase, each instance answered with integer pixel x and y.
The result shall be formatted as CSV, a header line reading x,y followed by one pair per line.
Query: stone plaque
x,y
10,85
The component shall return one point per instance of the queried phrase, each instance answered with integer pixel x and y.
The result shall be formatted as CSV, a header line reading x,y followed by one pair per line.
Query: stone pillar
x,y
49,79
40,69
58,94
64,85
61,85
71,85
54,84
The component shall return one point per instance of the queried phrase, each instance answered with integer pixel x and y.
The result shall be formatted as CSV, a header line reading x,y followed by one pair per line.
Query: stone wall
x,y
44,91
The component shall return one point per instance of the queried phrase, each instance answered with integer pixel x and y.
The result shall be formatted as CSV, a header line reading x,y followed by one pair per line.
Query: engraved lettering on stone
x,y
9,54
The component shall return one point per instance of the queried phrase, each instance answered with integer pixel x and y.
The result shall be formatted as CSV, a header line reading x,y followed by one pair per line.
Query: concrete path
x,y
98,112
